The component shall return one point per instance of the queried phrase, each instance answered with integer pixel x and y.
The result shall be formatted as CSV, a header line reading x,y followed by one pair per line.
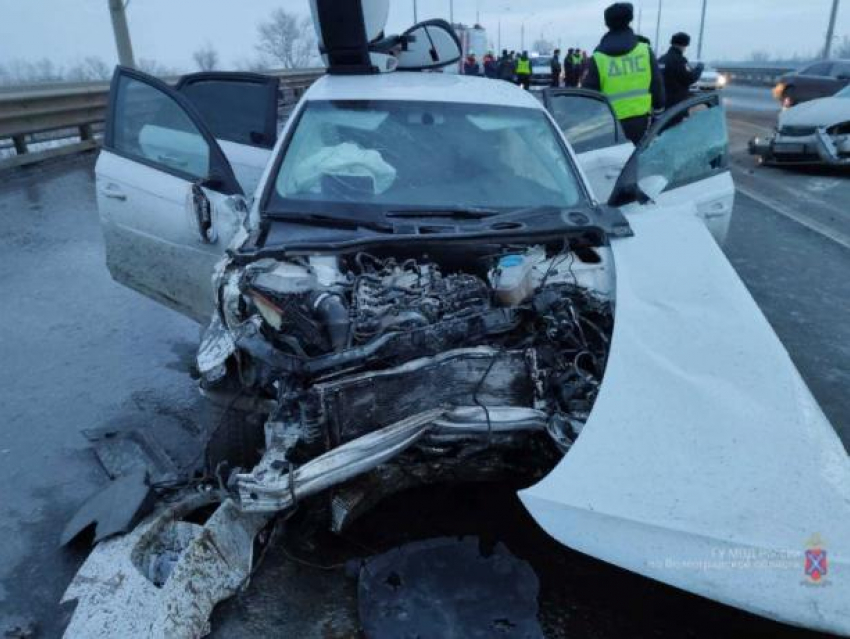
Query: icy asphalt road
x,y
80,352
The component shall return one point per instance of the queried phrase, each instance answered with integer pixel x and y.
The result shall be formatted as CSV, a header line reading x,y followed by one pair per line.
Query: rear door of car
x,y
588,123
168,198
814,82
241,110
683,161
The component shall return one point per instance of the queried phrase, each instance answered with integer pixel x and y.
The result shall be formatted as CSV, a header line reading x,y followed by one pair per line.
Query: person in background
x,y
625,69
471,66
491,67
569,69
678,73
523,71
506,67
555,66
585,62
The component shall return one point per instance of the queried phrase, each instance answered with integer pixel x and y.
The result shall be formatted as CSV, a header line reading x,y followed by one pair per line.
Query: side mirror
x,y
844,77
652,186
203,214
429,45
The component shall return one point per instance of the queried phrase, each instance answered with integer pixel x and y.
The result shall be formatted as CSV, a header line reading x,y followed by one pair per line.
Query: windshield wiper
x,y
320,219
457,214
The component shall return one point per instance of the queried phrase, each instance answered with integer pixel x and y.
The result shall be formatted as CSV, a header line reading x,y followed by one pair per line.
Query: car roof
x,y
412,86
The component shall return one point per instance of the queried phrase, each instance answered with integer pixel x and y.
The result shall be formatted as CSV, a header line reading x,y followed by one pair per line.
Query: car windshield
x,y
541,62
380,156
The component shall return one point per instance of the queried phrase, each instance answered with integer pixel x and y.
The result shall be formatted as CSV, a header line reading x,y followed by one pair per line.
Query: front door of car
x,y
683,161
241,110
168,199
588,123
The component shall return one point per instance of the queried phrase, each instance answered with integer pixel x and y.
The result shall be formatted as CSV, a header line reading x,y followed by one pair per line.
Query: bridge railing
x,y
43,121
764,75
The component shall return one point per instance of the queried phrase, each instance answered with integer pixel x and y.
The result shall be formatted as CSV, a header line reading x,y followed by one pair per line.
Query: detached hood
x,y
824,112
706,463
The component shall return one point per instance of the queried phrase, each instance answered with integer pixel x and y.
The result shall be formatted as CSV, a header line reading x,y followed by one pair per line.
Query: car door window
x,y
690,143
237,107
587,123
820,69
150,126
688,150
841,70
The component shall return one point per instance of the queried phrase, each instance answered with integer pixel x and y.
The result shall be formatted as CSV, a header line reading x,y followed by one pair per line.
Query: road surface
x,y
80,352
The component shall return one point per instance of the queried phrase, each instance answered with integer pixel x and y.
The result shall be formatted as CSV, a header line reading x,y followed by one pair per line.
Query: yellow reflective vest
x,y
626,80
523,67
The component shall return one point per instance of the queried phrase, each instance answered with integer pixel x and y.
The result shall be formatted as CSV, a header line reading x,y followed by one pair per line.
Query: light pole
x,y
830,33
415,13
640,19
701,30
122,33
452,12
658,29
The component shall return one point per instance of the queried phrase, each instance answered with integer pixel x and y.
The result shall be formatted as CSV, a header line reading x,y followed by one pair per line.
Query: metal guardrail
x,y
755,75
69,111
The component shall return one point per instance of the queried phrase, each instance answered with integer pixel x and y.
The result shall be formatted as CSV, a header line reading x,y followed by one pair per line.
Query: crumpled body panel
x,y
706,462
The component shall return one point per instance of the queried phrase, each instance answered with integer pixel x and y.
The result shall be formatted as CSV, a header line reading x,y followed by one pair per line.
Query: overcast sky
x,y
170,30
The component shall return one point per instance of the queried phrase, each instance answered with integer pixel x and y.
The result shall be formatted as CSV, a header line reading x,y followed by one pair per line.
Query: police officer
x,y
569,69
625,69
523,71
555,67
678,73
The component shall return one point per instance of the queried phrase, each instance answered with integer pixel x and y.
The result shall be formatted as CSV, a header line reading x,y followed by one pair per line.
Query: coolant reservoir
x,y
512,279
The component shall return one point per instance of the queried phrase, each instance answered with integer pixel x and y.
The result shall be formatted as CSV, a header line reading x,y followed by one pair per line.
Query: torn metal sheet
x,y
216,346
126,452
706,463
162,580
448,588
113,510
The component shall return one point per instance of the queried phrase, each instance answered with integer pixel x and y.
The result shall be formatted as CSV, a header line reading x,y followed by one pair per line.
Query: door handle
x,y
113,192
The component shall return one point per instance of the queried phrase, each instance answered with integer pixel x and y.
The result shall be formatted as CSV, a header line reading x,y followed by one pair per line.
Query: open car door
x,y
587,120
705,463
169,201
241,111
684,160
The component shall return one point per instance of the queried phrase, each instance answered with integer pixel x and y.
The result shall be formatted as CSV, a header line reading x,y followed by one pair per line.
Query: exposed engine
x,y
516,345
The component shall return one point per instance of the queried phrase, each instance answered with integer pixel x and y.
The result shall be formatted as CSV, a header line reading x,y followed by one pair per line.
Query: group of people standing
x,y
623,67
515,67
571,70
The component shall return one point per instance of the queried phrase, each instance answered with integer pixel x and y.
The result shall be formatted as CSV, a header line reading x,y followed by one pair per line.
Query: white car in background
x,y
813,132
710,80
418,283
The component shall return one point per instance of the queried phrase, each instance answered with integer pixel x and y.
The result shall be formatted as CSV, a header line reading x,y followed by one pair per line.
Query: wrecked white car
x,y
436,279
815,132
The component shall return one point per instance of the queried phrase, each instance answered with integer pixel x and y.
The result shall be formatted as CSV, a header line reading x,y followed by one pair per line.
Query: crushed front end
x,y
804,145
451,366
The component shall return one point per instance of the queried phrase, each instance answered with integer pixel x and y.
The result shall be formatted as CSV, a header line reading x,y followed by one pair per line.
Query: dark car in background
x,y
818,80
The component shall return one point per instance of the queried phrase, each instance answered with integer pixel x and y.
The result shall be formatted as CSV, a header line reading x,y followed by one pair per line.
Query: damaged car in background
x,y
436,278
814,132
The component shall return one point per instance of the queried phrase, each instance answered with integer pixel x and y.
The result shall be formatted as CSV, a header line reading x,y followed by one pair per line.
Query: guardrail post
x,y
20,142
86,132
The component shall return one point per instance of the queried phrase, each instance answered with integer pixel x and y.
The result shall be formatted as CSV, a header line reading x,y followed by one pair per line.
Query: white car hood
x,y
706,463
824,112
